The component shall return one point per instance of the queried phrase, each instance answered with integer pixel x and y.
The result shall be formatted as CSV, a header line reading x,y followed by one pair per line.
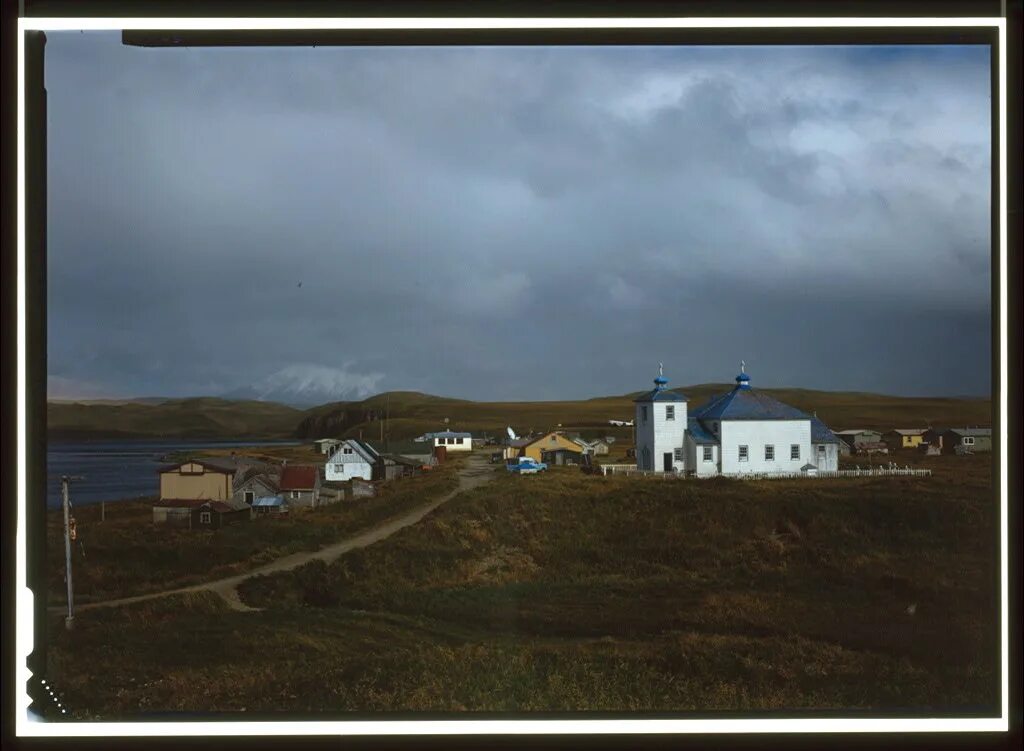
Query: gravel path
x,y
477,471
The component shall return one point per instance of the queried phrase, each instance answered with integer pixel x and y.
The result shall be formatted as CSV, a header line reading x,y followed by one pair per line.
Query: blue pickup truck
x,y
527,466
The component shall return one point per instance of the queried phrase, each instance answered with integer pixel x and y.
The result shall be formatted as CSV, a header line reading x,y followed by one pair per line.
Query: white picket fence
x,y
889,471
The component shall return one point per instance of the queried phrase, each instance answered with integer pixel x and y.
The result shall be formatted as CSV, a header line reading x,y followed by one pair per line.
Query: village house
x,y
394,466
300,485
451,440
973,440
904,438
597,447
189,484
739,432
195,479
327,445
534,447
857,438
353,458
256,482
217,514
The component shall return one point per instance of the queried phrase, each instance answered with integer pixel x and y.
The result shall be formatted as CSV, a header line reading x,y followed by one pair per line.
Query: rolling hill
x,y
202,417
407,414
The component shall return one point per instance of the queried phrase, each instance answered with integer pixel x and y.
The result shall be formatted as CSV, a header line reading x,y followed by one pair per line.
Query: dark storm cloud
x,y
516,223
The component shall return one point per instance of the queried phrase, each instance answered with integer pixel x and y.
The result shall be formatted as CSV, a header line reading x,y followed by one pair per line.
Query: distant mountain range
x,y
404,414
303,385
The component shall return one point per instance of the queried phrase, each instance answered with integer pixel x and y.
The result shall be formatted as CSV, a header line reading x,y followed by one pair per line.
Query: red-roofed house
x,y
300,485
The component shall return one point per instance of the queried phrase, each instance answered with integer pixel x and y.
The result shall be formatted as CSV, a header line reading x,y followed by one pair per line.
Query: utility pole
x,y
69,622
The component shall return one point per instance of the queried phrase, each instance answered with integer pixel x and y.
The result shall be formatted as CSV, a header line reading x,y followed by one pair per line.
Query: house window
x,y
708,454
743,453
554,439
969,440
339,468
670,412
643,414
249,496
458,441
821,448
295,494
679,455
347,450
205,517
769,453
794,451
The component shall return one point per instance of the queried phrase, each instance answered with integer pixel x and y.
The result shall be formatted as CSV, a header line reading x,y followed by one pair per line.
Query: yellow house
x,y
196,480
904,438
549,442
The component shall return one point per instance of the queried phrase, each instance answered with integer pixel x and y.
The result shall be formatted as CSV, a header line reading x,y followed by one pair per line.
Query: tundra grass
x,y
568,592
126,554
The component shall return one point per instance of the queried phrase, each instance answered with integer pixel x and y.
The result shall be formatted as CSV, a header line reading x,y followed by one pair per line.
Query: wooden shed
x,y
217,514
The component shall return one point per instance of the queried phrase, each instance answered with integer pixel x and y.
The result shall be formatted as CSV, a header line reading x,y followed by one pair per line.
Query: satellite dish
x,y
511,433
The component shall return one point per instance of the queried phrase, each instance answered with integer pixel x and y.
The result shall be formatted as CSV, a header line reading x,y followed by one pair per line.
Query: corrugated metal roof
x,y
699,433
298,478
856,431
971,431
661,395
744,403
446,434
821,433
908,431
217,466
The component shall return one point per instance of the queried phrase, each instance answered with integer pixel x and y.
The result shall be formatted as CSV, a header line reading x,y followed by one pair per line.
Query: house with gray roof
x,y
353,458
967,440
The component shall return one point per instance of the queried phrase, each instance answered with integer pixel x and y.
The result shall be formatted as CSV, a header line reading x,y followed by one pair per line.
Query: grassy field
x,y
563,592
127,554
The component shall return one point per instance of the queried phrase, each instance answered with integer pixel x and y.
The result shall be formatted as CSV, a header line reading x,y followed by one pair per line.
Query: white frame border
x,y
25,726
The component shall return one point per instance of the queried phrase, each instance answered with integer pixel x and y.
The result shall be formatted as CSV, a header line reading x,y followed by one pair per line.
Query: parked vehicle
x,y
527,466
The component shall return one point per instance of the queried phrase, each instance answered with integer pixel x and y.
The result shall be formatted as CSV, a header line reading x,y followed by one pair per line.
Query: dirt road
x,y
476,472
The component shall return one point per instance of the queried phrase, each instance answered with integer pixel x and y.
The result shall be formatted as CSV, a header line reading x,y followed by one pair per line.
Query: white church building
x,y
739,432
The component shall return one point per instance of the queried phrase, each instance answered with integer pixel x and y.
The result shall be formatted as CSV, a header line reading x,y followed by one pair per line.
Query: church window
x,y
679,455
769,453
670,412
743,453
708,454
643,413
794,451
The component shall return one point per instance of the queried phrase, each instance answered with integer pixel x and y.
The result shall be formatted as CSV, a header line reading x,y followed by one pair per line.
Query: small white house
x,y
353,458
451,440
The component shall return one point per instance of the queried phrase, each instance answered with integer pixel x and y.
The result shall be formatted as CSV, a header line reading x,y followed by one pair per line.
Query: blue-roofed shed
x,y
272,504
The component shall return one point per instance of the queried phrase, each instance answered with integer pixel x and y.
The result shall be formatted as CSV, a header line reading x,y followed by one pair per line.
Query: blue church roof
x,y
660,395
743,403
821,433
698,433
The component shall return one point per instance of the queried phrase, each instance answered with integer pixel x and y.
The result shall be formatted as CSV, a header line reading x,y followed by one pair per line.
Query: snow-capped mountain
x,y
305,385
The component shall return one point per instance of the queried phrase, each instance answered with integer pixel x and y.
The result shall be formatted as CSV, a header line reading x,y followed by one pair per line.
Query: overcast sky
x,y
516,223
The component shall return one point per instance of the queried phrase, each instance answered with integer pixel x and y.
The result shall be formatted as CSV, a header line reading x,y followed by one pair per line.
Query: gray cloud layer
x,y
517,223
